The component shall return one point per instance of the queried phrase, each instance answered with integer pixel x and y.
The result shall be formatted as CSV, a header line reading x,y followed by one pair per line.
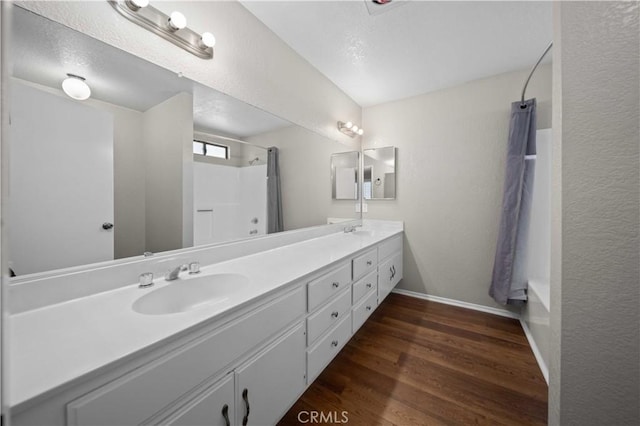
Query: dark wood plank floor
x,y
416,362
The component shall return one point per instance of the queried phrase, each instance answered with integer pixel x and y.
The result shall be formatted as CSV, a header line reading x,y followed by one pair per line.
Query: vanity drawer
x,y
362,287
327,285
323,319
362,311
390,247
327,348
148,389
365,263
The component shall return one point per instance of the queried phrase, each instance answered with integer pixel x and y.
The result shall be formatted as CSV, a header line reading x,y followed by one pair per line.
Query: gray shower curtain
x,y
509,280
274,196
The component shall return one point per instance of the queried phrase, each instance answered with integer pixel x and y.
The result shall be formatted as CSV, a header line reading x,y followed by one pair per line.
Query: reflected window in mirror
x,y
209,149
379,173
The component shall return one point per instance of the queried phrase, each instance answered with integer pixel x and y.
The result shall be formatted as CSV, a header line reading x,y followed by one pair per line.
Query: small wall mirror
x,y
344,175
379,173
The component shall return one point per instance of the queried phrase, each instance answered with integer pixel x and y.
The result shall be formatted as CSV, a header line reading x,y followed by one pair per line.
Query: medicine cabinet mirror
x,y
344,175
379,173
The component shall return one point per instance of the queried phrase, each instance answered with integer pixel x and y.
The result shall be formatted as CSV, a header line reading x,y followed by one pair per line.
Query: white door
x,y
60,182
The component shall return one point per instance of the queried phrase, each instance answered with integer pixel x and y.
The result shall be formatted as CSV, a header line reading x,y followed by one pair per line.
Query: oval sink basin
x,y
190,293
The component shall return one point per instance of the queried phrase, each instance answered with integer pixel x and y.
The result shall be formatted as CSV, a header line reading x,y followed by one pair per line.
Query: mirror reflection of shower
x,y
230,189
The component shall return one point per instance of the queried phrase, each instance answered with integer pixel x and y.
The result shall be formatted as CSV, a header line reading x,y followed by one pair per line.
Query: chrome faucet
x,y
351,228
174,273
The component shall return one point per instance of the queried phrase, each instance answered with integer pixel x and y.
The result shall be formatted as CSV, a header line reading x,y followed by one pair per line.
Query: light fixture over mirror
x,y
350,129
170,27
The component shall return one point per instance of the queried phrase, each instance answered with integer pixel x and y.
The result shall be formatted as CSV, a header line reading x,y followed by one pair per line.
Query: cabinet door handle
x,y
392,273
369,262
368,285
335,314
336,284
334,343
225,414
245,396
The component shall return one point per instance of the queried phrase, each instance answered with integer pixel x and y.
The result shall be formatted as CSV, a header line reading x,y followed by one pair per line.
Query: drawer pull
x,y
334,343
335,314
225,414
245,396
369,285
336,284
369,262
368,308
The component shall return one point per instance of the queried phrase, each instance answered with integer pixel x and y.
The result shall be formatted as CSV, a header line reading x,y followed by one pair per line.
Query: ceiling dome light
x,y
136,5
177,21
207,39
75,87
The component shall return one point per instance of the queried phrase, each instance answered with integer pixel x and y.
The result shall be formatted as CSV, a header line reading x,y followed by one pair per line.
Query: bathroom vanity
x,y
130,356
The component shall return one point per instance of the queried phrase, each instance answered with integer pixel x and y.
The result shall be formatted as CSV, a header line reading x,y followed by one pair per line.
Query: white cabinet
x,y
268,384
215,407
328,347
390,273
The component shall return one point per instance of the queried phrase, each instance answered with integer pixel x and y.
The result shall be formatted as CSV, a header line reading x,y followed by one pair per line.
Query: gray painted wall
x,y
595,352
450,171
168,136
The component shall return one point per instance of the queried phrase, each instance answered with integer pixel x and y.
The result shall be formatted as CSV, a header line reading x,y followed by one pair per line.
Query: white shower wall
x,y
226,199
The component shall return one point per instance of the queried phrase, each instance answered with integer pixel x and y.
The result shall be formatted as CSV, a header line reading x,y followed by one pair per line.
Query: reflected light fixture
x,y
350,129
170,27
75,87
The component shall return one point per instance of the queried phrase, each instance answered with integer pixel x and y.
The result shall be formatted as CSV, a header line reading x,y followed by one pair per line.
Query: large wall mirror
x,y
151,162
379,173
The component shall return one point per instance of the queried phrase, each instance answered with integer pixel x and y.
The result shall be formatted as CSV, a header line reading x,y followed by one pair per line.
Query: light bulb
x,y
355,129
75,87
137,4
348,124
177,21
208,40
360,132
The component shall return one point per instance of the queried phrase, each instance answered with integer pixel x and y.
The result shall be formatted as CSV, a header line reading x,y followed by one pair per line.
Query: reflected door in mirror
x,y
61,182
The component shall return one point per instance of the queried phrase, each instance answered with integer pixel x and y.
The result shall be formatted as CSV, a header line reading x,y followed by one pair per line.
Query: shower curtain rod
x,y
524,89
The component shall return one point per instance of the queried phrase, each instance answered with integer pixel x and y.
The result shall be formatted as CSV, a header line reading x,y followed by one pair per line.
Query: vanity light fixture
x,y
172,28
350,129
75,87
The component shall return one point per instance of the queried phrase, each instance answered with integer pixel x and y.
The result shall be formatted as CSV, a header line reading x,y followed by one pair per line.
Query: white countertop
x,y
56,344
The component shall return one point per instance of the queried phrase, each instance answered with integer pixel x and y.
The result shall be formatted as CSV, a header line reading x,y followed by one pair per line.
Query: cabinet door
x,y
268,384
214,407
390,273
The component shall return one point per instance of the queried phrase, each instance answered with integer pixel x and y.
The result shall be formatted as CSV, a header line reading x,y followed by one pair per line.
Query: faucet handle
x,y
146,280
194,267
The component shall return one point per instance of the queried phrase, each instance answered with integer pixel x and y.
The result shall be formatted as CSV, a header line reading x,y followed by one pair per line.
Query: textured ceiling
x,y
43,52
376,55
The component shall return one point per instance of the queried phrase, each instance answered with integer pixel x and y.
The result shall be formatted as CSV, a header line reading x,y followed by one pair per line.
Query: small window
x,y
211,149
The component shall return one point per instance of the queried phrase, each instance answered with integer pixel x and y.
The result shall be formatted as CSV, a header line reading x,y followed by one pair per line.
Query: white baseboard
x,y
453,302
495,311
536,352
